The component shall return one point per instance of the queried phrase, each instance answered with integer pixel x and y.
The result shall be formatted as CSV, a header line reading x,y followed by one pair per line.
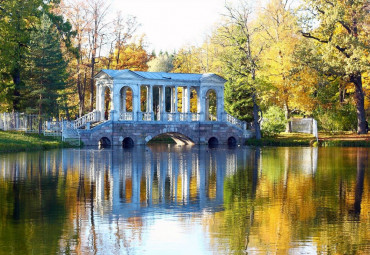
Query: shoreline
x,y
14,141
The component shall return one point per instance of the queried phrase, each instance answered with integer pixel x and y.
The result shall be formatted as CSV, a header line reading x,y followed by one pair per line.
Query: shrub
x,y
341,118
274,121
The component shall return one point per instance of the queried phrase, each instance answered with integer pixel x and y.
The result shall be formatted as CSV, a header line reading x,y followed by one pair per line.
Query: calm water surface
x,y
186,200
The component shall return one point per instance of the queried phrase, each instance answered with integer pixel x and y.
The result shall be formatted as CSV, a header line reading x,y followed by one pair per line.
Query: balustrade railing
x,y
171,116
145,116
183,116
240,124
127,116
93,116
195,116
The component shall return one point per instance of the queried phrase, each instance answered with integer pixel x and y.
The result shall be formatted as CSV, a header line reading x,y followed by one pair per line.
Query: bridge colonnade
x,y
128,102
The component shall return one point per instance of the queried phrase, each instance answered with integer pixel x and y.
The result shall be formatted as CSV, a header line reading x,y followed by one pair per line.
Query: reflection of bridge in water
x,y
133,182
161,178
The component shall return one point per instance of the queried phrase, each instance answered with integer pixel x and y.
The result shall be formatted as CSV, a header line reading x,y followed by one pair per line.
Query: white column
x,y
136,102
220,105
183,100
187,106
207,108
176,104
101,102
163,104
202,104
97,104
115,111
147,99
150,98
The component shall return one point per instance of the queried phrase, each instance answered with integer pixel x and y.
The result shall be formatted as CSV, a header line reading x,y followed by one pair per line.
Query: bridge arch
x,y
177,137
104,142
128,142
213,142
231,141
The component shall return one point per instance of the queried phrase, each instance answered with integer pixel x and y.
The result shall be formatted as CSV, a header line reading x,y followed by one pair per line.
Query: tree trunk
x,y
288,128
16,76
256,121
359,99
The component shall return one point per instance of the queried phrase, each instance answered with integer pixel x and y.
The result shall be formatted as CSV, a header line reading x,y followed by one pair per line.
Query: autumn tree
x,y
341,29
280,32
242,58
76,13
123,30
97,10
162,63
132,56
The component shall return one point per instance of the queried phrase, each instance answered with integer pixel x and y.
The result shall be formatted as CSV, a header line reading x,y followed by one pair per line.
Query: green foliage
x,y
19,22
238,99
17,141
162,63
46,70
274,121
339,118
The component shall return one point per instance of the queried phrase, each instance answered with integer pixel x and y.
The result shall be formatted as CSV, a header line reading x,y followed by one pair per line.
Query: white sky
x,y
171,24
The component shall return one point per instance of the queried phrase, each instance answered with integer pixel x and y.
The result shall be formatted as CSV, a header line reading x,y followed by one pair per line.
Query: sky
x,y
172,24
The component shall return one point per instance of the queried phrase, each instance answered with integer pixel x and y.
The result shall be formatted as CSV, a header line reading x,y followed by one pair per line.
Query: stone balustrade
x,y
90,117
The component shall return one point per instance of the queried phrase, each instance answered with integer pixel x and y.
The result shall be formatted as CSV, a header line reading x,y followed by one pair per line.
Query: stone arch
x,y
213,142
104,142
231,141
127,142
177,137
211,105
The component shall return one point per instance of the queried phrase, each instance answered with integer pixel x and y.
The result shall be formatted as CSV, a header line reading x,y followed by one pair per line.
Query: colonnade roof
x,y
183,77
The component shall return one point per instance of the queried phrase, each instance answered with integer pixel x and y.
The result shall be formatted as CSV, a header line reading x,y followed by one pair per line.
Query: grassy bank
x,y
19,141
344,139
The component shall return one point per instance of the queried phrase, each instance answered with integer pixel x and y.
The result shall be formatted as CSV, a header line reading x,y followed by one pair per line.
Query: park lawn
x,y
11,141
342,139
284,139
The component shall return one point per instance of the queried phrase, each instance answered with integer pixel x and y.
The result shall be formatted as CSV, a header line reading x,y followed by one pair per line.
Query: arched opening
x,y
126,101
171,138
211,105
213,142
231,141
104,142
107,103
128,142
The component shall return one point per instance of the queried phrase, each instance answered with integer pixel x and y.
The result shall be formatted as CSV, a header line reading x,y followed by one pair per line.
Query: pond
x,y
168,199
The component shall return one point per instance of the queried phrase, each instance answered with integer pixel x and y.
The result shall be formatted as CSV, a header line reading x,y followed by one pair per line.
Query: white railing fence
x,y
236,122
126,116
90,117
304,125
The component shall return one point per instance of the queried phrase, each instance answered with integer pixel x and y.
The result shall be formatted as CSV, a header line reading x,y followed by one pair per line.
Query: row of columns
x,y
118,102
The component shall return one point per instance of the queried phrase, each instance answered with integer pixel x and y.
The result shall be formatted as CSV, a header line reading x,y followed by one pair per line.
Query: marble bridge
x,y
134,107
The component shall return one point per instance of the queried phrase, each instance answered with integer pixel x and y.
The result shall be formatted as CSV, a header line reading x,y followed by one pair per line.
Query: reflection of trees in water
x,y
260,199
292,204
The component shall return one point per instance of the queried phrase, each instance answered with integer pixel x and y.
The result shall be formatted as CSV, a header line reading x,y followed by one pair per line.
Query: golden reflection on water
x,y
161,199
